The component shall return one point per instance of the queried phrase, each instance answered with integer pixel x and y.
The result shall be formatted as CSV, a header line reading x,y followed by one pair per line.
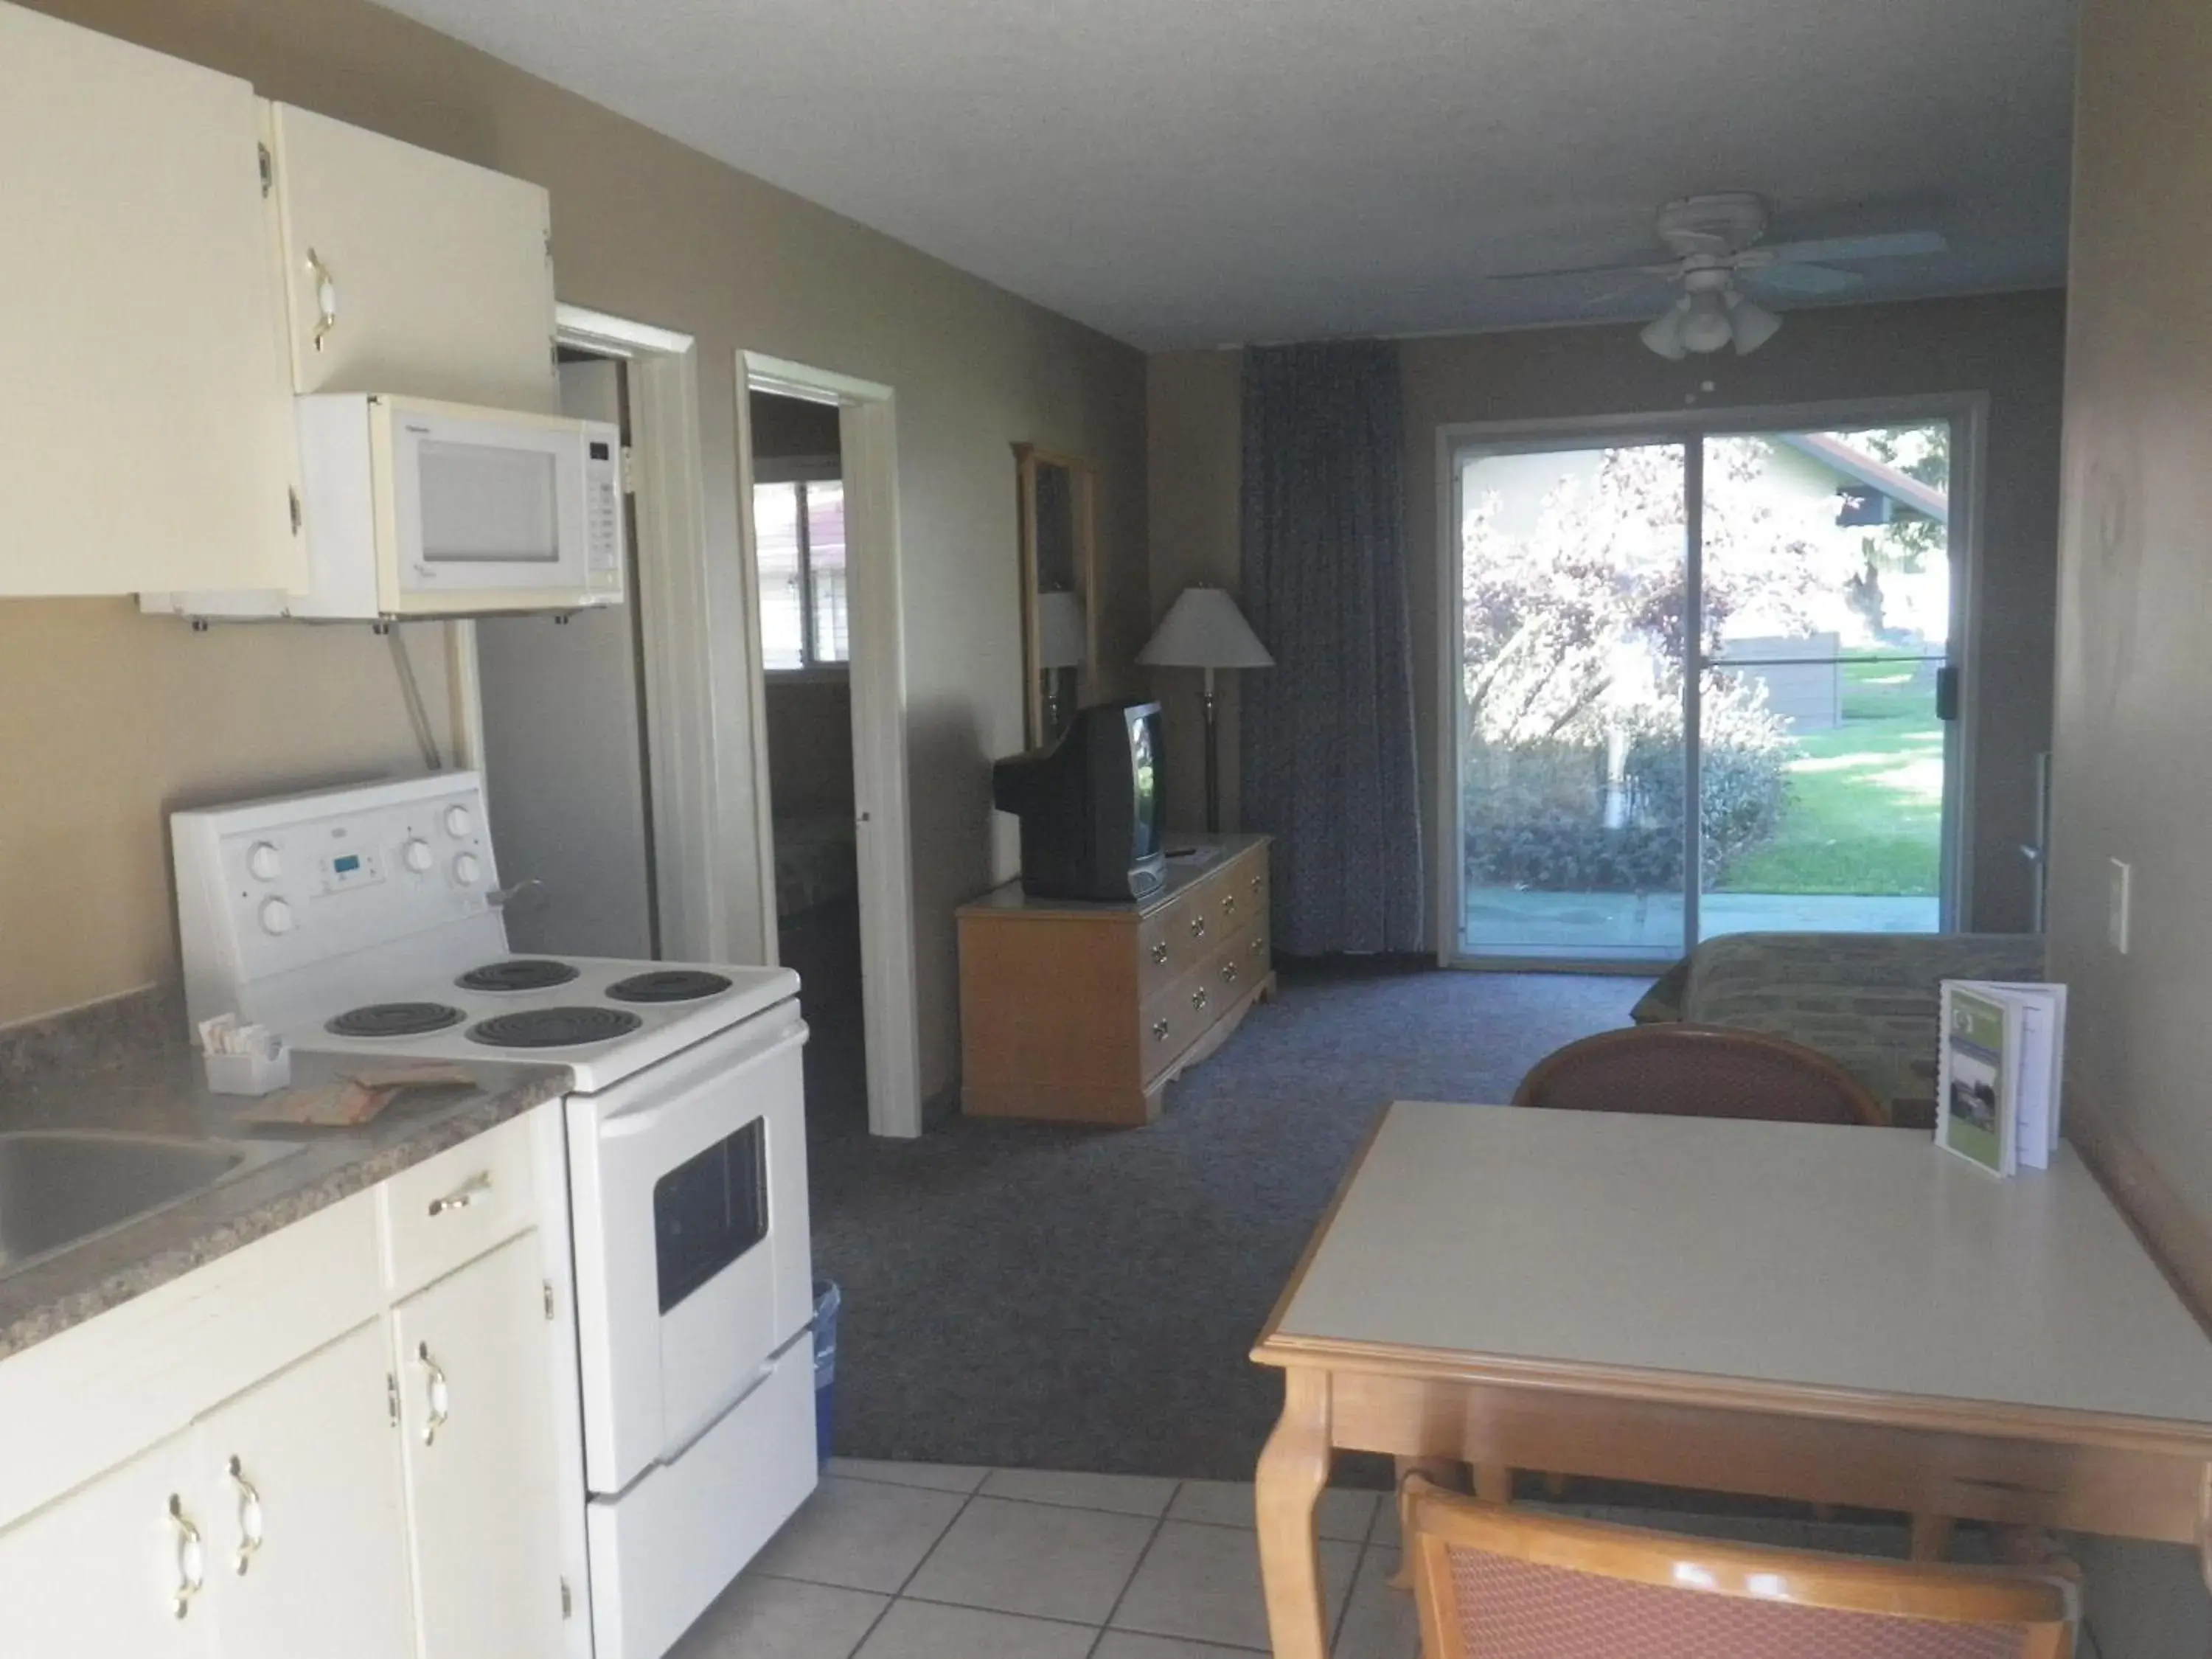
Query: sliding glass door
x,y
1703,687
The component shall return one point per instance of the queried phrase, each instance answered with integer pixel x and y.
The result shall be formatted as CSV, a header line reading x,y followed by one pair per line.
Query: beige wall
x,y
2134,671
2008,347
644,228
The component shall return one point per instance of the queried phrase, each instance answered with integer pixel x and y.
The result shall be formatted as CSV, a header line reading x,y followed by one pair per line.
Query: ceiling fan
x,y
1716,254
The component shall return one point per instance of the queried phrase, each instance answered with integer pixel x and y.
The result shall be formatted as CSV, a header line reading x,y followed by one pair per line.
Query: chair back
x,y
1698,1071
1493,1583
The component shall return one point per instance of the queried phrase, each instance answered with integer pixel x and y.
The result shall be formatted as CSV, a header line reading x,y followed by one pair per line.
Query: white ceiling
x,y
1199,172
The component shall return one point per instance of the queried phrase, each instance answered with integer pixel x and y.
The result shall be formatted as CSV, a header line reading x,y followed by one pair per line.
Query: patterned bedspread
x,y
1867,999
814,862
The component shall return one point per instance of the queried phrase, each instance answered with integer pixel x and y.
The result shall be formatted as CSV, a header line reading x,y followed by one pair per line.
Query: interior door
x,y
475,1416
305,1524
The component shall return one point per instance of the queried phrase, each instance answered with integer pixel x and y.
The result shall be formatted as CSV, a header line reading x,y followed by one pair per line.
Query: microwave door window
x,y
489,506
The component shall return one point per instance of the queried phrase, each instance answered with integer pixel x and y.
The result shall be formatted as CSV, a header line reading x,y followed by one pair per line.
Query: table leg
x,y
1293,1469
2204,1526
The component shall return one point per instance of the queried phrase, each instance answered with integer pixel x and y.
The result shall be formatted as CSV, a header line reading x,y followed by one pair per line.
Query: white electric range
x,y
367,921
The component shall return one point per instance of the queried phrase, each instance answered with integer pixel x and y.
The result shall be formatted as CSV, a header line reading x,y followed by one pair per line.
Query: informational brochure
x,y
1998,1078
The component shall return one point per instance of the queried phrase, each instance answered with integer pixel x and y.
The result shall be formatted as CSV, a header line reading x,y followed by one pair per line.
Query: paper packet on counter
x,y
356,1099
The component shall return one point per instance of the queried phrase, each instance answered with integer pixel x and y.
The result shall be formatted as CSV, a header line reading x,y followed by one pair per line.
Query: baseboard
x,y
2170,1230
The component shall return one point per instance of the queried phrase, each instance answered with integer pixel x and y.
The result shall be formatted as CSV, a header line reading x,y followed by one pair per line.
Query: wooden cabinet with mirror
x,y
1060,612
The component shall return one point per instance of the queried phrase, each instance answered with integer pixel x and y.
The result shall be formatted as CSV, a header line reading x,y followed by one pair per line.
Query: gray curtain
x,y
1328,732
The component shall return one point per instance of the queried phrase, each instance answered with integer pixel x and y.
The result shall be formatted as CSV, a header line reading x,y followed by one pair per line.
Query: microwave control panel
x,y
603,509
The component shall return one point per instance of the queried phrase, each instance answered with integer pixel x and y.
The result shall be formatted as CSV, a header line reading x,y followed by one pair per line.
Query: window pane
x,y
825,541
776,526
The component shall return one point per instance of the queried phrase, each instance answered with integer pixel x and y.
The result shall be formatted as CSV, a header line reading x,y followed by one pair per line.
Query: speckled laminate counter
x,y
125,1065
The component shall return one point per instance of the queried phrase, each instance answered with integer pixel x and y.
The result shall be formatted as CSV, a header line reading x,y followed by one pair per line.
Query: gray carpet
x,y
1025,1295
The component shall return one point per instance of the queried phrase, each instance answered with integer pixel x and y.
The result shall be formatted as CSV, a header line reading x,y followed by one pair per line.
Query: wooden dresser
x,y
1085,1012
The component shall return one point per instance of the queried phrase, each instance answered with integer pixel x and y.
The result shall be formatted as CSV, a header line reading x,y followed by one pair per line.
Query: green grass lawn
x,y
1866,798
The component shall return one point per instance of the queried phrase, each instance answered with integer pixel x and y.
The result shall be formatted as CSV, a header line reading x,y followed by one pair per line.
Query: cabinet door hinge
x,y
629,470
268,169
391,1397
293,496
549,1298
567,1601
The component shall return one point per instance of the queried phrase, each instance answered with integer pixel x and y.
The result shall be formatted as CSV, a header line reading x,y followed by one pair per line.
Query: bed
x,y
1868,1000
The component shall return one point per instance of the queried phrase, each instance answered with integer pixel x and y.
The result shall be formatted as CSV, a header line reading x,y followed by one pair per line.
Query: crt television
x,y
1089,805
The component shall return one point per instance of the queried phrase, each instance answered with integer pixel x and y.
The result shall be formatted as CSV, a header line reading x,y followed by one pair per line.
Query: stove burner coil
x,y
394,1019
668,985
518,973
553,1028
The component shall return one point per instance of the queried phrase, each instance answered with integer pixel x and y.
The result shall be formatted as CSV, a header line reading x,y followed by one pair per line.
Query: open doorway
x,y
799,528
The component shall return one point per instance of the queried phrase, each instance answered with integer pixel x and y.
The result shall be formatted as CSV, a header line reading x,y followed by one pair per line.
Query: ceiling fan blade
x,y
1666,270
1801,279
1889,245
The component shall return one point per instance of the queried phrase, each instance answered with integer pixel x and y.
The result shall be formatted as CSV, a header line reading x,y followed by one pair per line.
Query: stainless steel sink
x,y
61,1187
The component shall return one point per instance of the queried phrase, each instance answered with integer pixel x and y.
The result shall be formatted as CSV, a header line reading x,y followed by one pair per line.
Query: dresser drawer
x,y
450,1209
1172,1019
1175,938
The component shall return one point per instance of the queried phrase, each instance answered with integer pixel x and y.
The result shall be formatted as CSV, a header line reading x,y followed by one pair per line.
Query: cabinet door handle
x,y
191,1559
1198,926
1159,1030
476,1187
326,299
1160,952
249,1517
1228,973
1198,998
437,1398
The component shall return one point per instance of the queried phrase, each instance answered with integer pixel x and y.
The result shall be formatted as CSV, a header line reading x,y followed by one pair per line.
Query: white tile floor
x,y
929,1561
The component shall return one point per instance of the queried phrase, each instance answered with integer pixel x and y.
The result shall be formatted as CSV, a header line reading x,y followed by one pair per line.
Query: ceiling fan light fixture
x,y
1705,325
1752,323
1663,333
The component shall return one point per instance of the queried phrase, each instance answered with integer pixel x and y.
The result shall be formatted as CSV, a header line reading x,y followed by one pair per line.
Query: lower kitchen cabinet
x,y
476,1414
117,1570
299,1482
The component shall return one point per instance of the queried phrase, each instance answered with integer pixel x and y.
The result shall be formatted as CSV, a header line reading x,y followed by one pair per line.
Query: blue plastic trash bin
x,y
827,1300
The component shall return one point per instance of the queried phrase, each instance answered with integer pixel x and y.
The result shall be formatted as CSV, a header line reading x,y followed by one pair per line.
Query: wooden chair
x,y
1502,1583
1698,1071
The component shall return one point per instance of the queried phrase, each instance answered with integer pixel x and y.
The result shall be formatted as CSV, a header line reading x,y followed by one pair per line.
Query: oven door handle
x,y
645,1119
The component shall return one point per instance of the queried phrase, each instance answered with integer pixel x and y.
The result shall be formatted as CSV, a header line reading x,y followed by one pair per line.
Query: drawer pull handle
x,y
1228,905
191,1559
1160,952
435,1394
1159,1030
1228,973
476,1187
1259,950
1198,926
1198,998
249,1518
1255,883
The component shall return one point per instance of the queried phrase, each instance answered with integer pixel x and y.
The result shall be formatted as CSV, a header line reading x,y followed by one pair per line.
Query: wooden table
x,y
1842,1316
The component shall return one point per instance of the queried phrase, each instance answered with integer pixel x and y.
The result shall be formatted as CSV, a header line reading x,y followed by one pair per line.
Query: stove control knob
x,y
418,856
276,916
466,869
460,822
262,861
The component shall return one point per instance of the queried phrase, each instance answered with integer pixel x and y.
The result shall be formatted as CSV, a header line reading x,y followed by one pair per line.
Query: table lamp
x,y
1204,629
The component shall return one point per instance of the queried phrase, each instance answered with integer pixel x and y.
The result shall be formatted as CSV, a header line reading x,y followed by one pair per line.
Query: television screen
x,y
1144,764
1090,805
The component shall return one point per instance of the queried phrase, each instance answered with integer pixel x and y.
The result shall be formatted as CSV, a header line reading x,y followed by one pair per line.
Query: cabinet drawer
x,y
1173,1020
451,1209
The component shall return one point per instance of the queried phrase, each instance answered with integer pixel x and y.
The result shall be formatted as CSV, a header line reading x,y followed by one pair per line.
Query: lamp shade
x,y
1204,629
1060,633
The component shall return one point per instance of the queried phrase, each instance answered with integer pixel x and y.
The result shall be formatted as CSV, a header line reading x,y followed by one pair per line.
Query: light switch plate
x,y
2119,904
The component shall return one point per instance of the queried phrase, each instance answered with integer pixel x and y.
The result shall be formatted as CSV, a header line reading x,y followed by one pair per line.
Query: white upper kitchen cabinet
x,y
477,1415
304,1521
146,441
408,272
119,1568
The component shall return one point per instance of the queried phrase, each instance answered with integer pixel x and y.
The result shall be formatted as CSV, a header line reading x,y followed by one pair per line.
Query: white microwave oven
x,y
410,507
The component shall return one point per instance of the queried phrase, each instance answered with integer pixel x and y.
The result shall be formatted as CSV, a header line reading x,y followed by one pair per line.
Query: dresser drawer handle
x,y
1160,952
1198,926
1198,998
1228,905
1256,880
476,1187
1228,973
1260,948
1159,1030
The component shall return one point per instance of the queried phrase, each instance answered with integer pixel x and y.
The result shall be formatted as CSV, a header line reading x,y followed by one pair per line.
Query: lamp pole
x,y
1213,764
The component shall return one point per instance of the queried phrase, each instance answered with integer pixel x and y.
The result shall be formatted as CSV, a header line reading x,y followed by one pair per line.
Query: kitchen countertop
x,y
125,1067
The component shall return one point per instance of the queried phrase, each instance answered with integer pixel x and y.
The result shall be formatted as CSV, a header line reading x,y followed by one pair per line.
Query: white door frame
x,y
694,744
868,439
1968,413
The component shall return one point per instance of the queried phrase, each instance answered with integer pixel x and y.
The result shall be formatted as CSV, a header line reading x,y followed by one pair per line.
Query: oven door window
x,y
709,1211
